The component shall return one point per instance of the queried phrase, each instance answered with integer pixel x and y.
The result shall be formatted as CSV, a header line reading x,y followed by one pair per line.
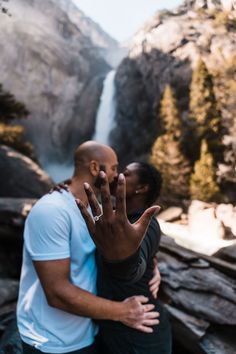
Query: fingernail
x,y
102,174
121,178
86,185
157,209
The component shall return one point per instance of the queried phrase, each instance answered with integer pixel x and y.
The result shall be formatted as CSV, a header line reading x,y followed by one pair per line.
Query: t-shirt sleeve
x,y
47,233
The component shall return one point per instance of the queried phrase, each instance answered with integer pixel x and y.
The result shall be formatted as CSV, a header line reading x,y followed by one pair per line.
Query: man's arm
x,y
62,294
46,240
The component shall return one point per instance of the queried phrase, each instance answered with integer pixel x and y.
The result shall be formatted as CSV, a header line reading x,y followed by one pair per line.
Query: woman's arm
x,y
133,268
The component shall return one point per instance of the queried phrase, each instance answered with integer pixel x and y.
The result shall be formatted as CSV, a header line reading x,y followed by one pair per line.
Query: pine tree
x,y
174,167
13,135
167,154
225,87
204,114
10,108
203,185
169,113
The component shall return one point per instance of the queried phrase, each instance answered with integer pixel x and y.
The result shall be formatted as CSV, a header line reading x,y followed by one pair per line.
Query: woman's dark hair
x,y
149,175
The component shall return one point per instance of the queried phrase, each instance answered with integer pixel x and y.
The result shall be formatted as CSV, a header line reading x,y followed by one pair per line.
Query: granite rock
x,y
51,56
165,51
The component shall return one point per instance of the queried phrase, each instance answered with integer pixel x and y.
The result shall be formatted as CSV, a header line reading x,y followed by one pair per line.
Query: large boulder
x,y
8,290
20,176
10,341
228,253
226,213
13,212
203,223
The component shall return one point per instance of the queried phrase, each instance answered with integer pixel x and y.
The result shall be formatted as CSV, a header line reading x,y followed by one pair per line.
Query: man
x,y
58,281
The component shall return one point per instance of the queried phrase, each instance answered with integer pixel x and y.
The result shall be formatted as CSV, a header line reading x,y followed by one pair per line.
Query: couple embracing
x,y
88,282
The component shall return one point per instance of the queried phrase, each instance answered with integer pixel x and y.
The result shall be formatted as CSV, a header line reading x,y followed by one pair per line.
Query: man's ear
x,y
142,189
94,168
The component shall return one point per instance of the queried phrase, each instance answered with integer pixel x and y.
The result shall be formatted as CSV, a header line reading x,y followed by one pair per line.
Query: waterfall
x,y
106,110
104,123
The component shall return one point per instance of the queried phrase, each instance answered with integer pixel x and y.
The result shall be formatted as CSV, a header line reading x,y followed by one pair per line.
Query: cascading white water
x,y
106,110
104,124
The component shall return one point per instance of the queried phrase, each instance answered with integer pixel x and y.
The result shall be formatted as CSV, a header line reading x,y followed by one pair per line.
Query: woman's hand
x,y
60,187
155,282
115,237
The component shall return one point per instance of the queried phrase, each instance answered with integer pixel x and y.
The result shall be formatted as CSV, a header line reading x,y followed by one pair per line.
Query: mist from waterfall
x,y
106,110
58,171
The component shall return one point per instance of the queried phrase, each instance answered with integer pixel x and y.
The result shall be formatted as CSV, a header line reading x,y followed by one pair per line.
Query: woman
x,y
122,280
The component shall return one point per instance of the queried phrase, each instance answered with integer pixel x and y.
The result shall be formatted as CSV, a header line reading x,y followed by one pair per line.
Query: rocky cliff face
x,y
107,46
53,58
164,51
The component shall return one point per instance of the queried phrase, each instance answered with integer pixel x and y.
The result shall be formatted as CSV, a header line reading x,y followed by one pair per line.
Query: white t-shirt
x,y
55,229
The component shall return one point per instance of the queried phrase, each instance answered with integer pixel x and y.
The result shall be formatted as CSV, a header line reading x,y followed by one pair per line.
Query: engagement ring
x,y
97,217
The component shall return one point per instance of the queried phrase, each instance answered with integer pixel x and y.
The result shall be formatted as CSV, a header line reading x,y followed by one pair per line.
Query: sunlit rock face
x,y
165,51
53,58
226,213
20,176
212,4
205,228
199,217
109,48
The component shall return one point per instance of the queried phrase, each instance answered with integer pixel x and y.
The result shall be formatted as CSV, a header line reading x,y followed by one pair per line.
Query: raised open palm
x,y
115,237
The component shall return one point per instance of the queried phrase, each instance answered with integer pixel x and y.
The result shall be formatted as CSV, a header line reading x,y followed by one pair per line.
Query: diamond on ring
x,y
97,217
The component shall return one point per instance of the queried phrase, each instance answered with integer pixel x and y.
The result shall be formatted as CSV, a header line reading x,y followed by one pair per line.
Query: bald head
x,y
93,154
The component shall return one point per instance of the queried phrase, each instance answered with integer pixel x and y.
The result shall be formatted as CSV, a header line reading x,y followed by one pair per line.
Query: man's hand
x,y
60,293
155,281
115,237
140,315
